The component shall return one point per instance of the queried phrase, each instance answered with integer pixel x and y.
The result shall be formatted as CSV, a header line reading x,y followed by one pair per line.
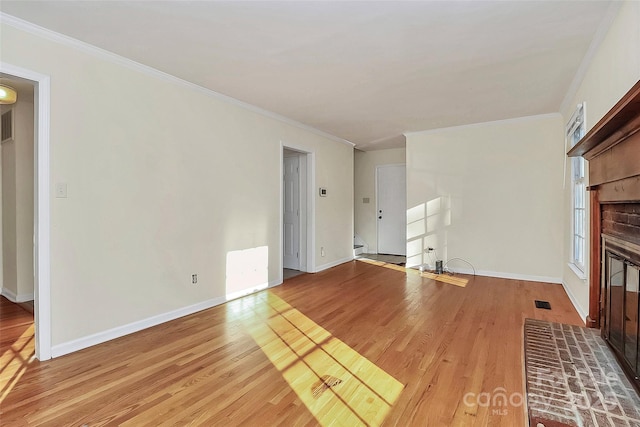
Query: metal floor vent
x,y
325,383
543,304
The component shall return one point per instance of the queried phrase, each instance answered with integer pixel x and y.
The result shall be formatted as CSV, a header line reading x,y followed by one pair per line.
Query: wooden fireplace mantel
x,y
612,148
622,121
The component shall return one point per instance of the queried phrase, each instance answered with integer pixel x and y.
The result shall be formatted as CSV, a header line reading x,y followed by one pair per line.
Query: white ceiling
x,y
363,71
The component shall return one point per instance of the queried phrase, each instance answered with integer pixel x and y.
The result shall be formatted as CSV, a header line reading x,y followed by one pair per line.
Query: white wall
x,y
164,180
365,162
17,204
490,194
9,262
1,226
614,69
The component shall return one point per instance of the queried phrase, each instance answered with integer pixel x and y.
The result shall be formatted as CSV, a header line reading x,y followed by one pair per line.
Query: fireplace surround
x,y
612,148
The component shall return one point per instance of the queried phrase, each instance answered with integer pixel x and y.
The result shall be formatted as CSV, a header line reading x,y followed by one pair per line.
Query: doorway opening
x,y
296,211
36,238
17,224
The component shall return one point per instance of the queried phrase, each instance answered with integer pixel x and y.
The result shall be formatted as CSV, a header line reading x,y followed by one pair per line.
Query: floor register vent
x,y
543,304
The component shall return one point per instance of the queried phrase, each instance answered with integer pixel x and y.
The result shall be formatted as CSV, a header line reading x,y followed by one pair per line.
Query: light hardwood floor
x,y
445,344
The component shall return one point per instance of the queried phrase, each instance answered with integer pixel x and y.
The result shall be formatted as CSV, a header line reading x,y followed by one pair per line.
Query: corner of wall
x,y
581,311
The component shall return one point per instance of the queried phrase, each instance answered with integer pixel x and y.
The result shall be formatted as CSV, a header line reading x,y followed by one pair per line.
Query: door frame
x,y
42,206
307,208
378,199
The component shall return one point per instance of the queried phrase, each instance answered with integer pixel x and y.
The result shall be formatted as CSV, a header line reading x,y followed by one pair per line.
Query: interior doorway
x,y
296,211
17,216
391,209
39,238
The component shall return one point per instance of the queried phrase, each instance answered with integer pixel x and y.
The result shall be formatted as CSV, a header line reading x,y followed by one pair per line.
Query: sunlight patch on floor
x,y
359,392
384,264
445,278
14,361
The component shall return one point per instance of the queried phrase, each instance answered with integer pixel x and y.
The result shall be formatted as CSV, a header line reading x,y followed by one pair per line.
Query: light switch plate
x,y
61,190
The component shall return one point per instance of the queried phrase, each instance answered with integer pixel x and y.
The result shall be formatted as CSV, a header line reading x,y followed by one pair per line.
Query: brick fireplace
x,y
612,148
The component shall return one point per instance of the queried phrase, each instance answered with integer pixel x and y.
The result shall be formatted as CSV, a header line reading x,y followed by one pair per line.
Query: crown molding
x,y
598,38
111,57
483,124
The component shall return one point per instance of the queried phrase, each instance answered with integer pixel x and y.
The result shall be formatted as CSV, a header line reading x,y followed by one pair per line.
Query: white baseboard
x,y
13,297
120,331
274,283
583,315
514,276
333,264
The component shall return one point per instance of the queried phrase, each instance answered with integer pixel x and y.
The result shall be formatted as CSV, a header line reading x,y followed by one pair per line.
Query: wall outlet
x,y
194,278
322,251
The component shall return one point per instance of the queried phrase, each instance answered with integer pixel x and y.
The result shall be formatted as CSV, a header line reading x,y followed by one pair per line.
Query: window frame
x,y
576,129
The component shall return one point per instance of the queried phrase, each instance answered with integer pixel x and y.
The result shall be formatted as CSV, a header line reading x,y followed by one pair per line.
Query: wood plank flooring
x,y
15,320
445,344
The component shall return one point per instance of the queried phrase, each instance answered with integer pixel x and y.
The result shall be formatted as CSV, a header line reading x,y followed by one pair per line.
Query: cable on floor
x,y
459,259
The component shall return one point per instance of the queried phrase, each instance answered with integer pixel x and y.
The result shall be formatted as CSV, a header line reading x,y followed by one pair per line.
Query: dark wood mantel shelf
x,y
622,121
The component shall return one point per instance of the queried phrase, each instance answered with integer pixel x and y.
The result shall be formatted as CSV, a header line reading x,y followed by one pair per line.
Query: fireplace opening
x,y
622,309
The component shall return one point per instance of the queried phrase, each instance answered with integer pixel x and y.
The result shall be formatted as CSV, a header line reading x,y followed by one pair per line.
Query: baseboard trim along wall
x,y
333,264
120,331
11,296
583,314
544,279
514,276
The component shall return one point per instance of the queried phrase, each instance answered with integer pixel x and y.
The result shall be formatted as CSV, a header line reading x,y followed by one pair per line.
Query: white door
x,y
391,184
291,213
